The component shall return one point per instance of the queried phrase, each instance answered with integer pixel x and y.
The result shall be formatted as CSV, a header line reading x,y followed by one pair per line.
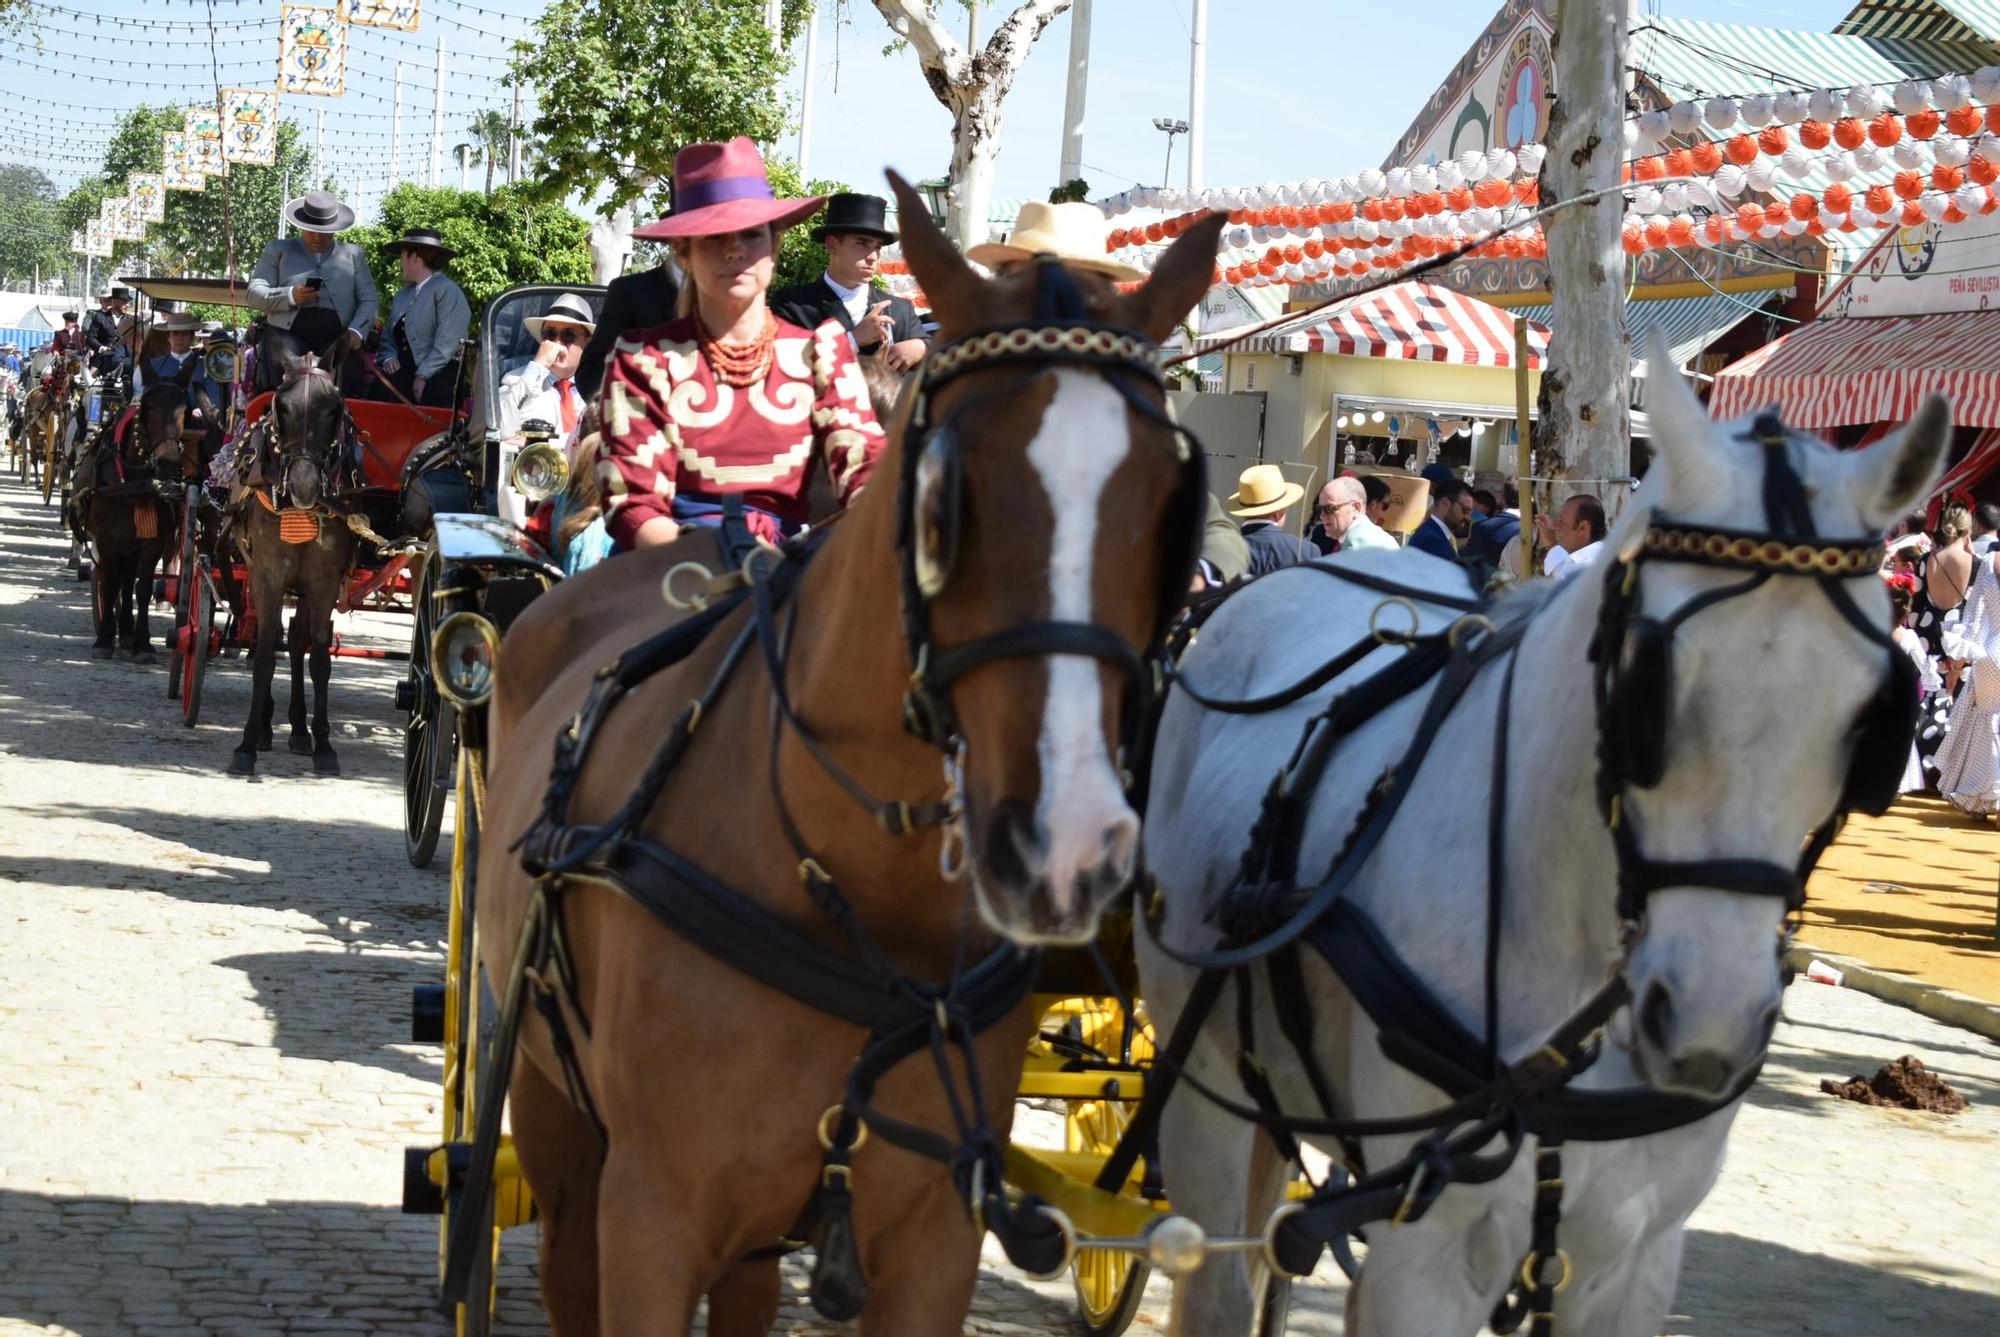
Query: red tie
x,y
566,391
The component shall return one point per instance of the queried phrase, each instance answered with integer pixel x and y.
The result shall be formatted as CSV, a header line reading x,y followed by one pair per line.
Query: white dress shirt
x,y
854,299
1576,561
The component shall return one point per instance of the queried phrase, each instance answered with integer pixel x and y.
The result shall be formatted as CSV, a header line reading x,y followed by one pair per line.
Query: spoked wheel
x,y
430,734
183,588
196,638
471,1013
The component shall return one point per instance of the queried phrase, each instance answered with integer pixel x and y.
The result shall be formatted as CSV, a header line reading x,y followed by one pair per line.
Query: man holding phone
x,y
853,230
544,385
317,289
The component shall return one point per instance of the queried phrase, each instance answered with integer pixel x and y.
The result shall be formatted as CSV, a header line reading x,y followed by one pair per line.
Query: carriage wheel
x,y
1110,1284
183,588
195,644
430,734
471,1012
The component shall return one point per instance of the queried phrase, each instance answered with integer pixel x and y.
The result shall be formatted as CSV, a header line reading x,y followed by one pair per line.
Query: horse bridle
x,y
311,373
1059,336
1631,656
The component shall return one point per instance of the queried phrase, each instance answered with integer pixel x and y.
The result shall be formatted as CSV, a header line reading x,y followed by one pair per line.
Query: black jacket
x,y
100,329
811,305
1272,549
632,302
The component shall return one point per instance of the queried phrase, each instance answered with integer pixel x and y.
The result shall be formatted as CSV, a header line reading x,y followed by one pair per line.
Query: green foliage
x,y
31,235
502,239
624,84
800,258
491,132
196,236
1071,192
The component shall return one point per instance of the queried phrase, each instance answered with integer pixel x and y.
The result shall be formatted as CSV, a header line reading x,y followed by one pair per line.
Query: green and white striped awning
x,y
1691,324
1688,59
1932,20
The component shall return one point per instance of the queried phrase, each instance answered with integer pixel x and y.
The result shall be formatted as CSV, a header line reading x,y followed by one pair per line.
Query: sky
x,y
1296,88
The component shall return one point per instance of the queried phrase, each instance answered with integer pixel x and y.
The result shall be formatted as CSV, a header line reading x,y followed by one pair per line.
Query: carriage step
x,y
422,1196
427,1014
406,695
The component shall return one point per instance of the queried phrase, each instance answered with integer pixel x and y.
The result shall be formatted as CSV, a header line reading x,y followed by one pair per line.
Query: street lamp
x,y
1169,127
937,195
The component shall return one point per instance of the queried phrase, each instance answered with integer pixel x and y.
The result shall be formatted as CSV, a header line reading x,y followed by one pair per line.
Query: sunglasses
x,y
565,336
1335,508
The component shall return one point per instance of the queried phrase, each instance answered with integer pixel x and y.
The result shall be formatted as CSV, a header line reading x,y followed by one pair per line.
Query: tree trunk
x,y
1584,437
489,171
975,147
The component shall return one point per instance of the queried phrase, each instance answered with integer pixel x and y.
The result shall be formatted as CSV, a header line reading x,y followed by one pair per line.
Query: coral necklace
x,y
740,364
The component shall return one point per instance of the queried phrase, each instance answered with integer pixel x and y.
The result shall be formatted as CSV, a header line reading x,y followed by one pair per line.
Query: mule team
x,y
1033,509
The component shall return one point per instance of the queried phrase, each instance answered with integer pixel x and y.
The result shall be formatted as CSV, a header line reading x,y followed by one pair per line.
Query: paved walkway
x,y
204,1098
1915,892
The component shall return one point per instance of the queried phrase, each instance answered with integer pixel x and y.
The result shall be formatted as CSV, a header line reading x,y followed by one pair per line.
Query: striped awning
x,y
1939,20
1838,373
1691,324
1415,322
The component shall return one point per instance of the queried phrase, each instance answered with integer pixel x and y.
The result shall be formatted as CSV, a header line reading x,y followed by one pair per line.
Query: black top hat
x,y
71,315
421,236
857,215
118,294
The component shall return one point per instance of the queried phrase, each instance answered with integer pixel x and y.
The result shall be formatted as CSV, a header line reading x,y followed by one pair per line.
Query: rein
x,y
902,1017
1267,914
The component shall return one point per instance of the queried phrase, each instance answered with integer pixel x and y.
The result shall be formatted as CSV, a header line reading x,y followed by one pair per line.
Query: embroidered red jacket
x,y
669,428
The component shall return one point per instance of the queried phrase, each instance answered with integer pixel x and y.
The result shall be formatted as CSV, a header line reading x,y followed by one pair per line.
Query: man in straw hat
x,y
854,230
427,318
1262,497
314,287
544,386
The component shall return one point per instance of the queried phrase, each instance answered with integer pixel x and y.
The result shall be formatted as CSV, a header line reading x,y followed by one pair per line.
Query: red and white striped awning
x,y
1417,322
1839,373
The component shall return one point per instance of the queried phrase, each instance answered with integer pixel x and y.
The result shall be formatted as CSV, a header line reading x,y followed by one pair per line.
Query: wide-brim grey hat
x,y
421,236
318,211
568,308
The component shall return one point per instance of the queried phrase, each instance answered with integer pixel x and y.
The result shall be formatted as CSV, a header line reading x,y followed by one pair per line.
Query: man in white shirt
x,y
544,387
854,230
1579,530
1343,504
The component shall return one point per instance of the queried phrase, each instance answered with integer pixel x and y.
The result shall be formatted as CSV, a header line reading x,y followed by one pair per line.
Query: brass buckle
x,y
1531,1270
829,1119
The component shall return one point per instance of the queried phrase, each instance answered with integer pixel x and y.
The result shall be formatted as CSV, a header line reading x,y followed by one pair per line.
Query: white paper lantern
x,y
1370,182
1911,96
1951,151
1757,110
1795,163
1729,181
1825,104
1791,108
1646,199
1952,92
1908,154
1701,194
1934,203
1397,181
1761,175
1653,126
1472,164
1423,179
1500,164
1449,177
1485,220
1969,198
1684,117
1988,146
1986,84
1793,227
1866,101
1869,159
1630,137
1829,220
1720,113
1839,167
1529,158
1769,231
1675,197
1862,215
1238,238
1260,235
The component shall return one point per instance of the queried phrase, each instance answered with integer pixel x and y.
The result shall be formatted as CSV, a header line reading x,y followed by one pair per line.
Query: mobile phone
x,y
315,283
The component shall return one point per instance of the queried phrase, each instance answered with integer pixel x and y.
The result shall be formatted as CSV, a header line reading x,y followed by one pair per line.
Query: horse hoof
x,y
102,651
144,655
242,763
302,746
264,744
326,763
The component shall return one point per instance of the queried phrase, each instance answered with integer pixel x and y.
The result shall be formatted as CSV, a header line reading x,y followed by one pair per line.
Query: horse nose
x,y
1057,879
1677,1065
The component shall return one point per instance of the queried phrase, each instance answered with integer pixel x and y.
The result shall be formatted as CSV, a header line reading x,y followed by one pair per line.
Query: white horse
x,y
1761,695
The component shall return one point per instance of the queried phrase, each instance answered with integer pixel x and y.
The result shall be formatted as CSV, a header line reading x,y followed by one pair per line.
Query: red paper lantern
x,y
1815,134
1491,194
1680,232
1459,198
1750,217
1116,241
1707,157
1923,124
1878,199
1528,190
1993,118
1773,140
1680,162
1947,179
1981,171
1633,238
1314,248
1154,232
1953,214
1804,207
1913,215
1965,122
1885,130
1650,169
1741,150
1294,254
1839,197
1849,133
1715,230
1909,185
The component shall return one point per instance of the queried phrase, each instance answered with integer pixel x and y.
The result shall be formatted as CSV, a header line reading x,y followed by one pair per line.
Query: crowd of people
x,y
1945,584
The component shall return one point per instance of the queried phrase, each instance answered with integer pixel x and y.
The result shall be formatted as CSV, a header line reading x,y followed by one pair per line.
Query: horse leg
x,y
142,599
745,1302
124,576
302,743
267,597
105,600
1442,1276
921,1271
560,1154
1631,1297
650,1266
325,760
1205,1157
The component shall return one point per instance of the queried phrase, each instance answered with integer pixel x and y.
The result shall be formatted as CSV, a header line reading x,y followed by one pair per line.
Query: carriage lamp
x,y
540,471
463,651
223,362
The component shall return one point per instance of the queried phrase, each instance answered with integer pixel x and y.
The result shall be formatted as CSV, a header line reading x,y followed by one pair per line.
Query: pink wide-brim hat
x,y
722,188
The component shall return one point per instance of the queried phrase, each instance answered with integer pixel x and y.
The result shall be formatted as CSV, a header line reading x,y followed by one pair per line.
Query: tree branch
x,y
917,22
1034,15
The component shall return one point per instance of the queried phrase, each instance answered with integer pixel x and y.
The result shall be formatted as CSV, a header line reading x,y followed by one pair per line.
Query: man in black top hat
x,y
853,229
100,329
69,339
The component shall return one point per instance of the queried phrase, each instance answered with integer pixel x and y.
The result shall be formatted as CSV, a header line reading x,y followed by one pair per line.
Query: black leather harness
x,y
1269,913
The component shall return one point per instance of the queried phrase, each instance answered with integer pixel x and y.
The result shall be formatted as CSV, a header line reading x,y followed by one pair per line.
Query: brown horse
x,y
131,514
1072,500
296,542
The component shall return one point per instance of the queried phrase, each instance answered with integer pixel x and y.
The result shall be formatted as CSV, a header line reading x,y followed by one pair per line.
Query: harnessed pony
x,y
1665,747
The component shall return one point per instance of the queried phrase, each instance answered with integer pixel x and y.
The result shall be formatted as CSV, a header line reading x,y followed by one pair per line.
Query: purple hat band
x,y
702,194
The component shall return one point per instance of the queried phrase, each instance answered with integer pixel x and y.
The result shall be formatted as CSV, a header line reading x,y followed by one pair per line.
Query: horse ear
x,y
1681,428
947,278
1183,274
1893,477
337,354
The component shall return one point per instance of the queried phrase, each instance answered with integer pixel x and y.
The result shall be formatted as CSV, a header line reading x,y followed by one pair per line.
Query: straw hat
x,y
1074,233
568,309
1409,497
1262,490
721,188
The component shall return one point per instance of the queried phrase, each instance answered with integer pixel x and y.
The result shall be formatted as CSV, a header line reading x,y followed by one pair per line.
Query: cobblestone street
x,y
205,1100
